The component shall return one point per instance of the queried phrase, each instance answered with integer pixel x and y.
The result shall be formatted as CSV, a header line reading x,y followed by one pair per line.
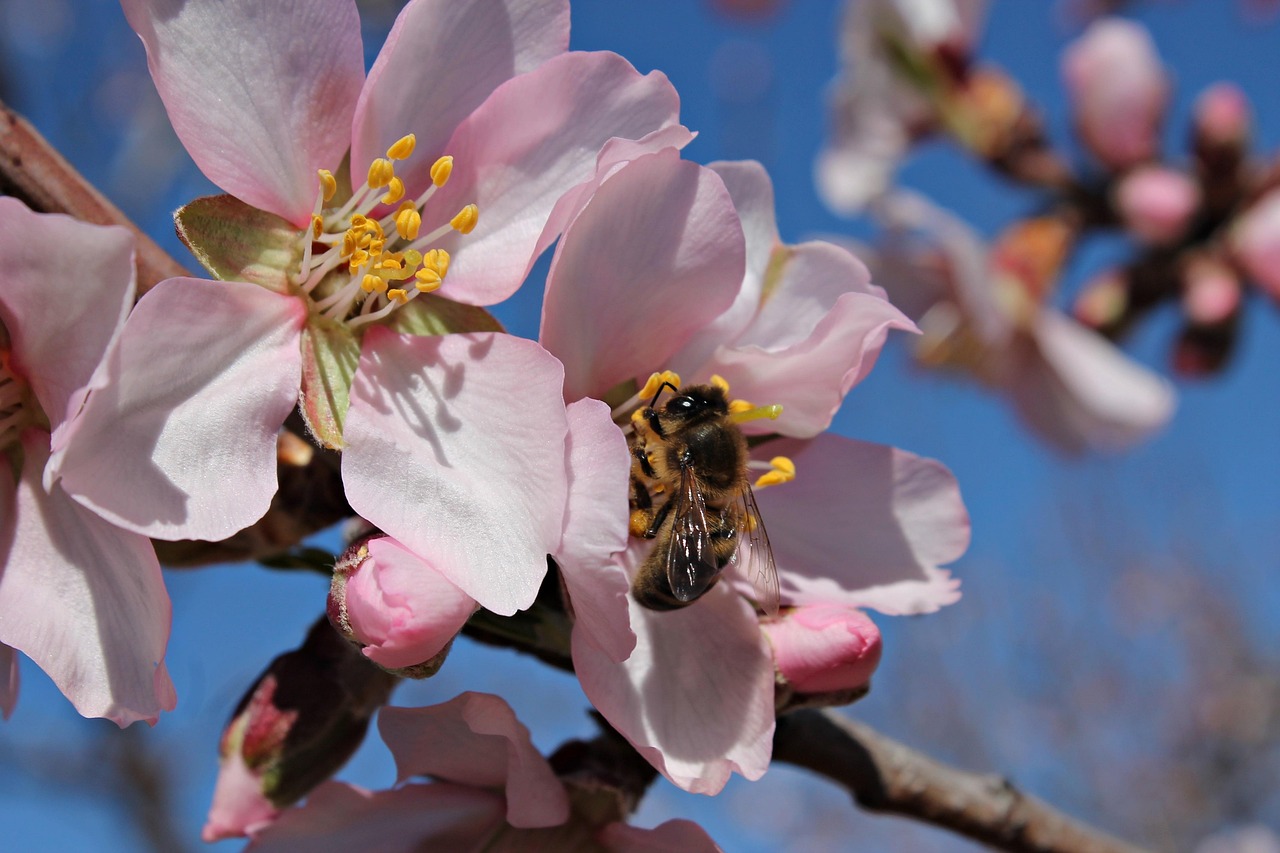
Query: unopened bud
x,y
399,610
824,649
1222,118
1255,242
1211,292
300,722
1156,204
1103,301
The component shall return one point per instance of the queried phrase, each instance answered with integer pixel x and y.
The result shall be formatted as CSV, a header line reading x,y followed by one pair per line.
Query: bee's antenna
x,y
658,393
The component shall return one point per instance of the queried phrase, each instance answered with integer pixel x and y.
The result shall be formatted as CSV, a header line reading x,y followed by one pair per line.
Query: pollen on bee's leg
x,y
639,522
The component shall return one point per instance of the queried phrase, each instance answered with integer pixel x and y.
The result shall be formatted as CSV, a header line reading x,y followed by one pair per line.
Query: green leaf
x,y
430,314
236,242
330,355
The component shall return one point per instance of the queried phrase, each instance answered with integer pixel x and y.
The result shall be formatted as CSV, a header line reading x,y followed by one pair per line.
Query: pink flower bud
x,y
1222,117
824,648
397,607
1211,292
1103,301
300,722
1255,240
1118,89
1156,204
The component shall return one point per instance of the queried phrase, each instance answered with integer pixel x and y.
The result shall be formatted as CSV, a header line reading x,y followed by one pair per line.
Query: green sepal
x,y
236,242
330,356
429,314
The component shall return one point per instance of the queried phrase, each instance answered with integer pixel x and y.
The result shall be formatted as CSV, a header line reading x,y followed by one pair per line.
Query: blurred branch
x,y
883,775
33,171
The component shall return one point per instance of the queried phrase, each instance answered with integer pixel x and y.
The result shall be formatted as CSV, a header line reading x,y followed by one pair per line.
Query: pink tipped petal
x,y
595,528
8,680
655,256
441,60
340,818
817,336
261,94
674,836
864,525
65,289
455,446
402,609
536,138
85,601
824,648
476,739
181,441
239,807
696,696
1082,392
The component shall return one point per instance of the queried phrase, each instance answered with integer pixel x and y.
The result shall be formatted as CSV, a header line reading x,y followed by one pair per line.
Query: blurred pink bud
x,y
300,722
1118,89
1222,117
1156,204
1211,292
824,648
400,610
1255,240
1103,300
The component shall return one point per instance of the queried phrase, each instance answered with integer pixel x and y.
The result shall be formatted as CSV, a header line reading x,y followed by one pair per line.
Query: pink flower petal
x,y
824,648
864,525
180,443
534,139
674,836
239,806
455,446
655,256
339,818
1080,391
441,60
84,600
402,609
261,94
696,696
476,739
67,287
595,528
817,336
8,680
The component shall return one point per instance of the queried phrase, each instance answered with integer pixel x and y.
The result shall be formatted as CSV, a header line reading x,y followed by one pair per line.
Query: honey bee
x,y
690,453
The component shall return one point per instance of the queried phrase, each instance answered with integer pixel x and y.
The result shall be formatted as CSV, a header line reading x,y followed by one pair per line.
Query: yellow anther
x,y
348,244
358,259
398,295
408,222
395,191
317,227
428,280
438,260
466,219
720,382
390,262
441,170
359,222
739,406
783,464
656,381
403,147
755,413
782,470
380,173
371,282
328,184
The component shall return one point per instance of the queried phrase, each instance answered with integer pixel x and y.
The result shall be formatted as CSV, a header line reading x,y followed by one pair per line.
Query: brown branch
x,y
32,170
883,775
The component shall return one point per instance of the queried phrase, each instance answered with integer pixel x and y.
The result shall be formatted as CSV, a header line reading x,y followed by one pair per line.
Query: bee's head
x,y
696,404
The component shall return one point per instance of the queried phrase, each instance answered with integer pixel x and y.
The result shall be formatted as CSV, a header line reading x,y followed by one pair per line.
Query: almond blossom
x,y
471,124
78,595
698,281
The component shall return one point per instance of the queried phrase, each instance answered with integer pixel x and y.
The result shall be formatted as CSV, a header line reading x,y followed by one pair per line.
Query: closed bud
x,y
300,722
1222,119
1103,302
825,650
1211,292
1255,242
1156,204
399,610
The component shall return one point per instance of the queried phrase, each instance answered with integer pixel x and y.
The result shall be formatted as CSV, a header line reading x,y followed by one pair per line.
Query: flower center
x,y
358,268
17,409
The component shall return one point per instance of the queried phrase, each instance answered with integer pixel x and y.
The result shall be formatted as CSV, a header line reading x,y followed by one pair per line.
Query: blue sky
x,y
1051,535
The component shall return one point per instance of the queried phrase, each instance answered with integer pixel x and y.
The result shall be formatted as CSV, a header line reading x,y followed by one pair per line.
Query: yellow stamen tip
x,y
380,173
328,184
317,227
656,381
783,464
441,170
438,260
371,282
407,223
398,294
756,413
427,277
465,221
402,148
720,382
739,406
395,191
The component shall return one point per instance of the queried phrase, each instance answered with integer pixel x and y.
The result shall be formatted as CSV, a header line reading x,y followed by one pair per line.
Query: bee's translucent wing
x,y
691,559
758,566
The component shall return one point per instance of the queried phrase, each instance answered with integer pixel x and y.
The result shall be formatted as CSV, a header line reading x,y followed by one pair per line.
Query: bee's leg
x,y
642,459
642,511
655,524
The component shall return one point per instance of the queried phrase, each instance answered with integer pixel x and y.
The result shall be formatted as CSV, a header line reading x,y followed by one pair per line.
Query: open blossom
x,y
494,792
698,281
986,312
79,596
471,124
